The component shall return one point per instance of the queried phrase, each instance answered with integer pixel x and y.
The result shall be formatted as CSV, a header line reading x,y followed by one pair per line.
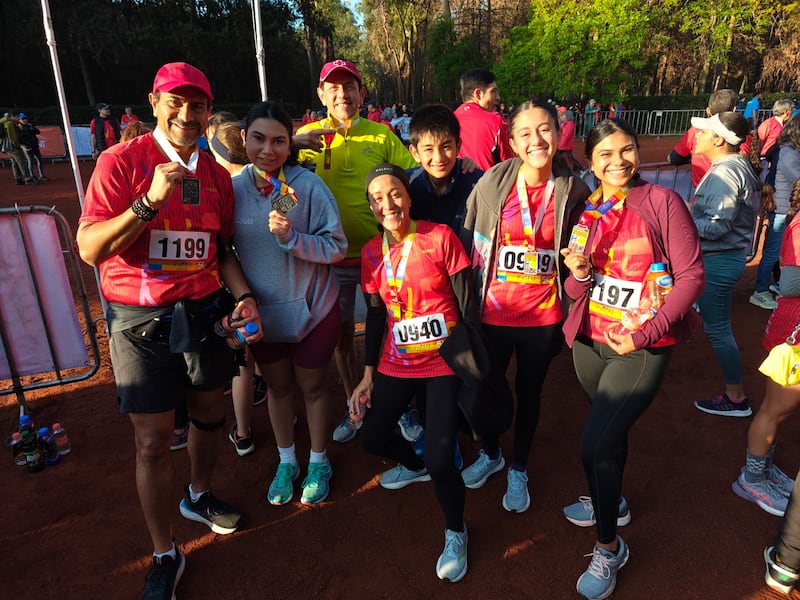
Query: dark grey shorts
x,y
151,378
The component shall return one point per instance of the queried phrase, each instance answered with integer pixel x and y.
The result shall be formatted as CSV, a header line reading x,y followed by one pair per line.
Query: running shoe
x,y
399,477
723,406
346,430
778,576
452,563
782,482
477,473
180,439
409,425
582,512
763,300
516,498
244,445
220,516
600,579
763,493
163,578
281,489
316,484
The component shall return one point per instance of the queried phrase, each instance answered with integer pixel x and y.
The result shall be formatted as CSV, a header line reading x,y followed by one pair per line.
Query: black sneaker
x,y
220,516
779,577
243,445
259,390
163,577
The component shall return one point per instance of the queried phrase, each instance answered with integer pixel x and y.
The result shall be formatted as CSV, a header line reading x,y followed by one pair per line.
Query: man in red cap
x,y
158,222
351,147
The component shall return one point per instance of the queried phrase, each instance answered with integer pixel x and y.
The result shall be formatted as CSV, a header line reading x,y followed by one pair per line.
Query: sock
x,y
171,553
520,468
195,496
770,456
318,457
288,455
755,468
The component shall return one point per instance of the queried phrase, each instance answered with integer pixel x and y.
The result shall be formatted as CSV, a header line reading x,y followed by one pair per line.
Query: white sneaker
x,y
399,477
763,300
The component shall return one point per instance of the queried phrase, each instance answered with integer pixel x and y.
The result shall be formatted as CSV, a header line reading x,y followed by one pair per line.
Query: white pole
x,y
259,39
62,101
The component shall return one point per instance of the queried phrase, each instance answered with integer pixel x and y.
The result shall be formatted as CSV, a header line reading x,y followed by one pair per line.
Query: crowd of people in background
x,y
489,244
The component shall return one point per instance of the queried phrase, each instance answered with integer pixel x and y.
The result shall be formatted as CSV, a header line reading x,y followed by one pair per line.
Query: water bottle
x,y
238,339
26,424
48,446
362,409
33,454
223,327
659,284
16,449
633,318
62,441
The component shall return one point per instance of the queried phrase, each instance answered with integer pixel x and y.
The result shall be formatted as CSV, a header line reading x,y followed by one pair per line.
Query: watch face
x,y
190,190
284,203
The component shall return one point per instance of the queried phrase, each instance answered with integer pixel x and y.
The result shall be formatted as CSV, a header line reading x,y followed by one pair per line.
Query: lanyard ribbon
x,y
528,227
395,282
162,142
275,183
596,209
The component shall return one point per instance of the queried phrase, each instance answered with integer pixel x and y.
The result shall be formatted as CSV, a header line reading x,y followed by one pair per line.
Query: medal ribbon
x,y
395,282
595,209
162,142
528,227
278,183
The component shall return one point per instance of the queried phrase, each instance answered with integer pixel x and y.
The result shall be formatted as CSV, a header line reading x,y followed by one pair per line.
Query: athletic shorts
x,y
151,378
313,352
348,278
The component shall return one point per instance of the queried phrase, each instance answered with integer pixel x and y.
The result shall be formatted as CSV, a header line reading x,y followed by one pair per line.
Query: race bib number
x,y
178,250
523,264
611,296
420,334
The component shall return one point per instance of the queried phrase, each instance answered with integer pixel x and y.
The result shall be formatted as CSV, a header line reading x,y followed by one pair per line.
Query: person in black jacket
x,y
30,146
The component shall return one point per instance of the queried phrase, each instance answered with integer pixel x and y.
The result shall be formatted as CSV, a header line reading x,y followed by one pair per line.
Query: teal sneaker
x,y
399,477
582,512
315,485
600,579
477,473
452,563
516,498
281,489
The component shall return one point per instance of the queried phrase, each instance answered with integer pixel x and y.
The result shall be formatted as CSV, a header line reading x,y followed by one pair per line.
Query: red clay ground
x,y
76,530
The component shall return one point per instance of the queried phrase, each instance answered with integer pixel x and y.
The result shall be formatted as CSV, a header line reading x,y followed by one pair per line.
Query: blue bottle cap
x,y
24,420
656,267
251,328
43,431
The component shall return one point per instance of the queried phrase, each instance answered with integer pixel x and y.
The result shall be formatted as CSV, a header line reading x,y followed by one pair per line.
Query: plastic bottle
x,y
633,318
362,409
659,284
26,424
223,327
62,441
237,340
33,454
16,449
48,446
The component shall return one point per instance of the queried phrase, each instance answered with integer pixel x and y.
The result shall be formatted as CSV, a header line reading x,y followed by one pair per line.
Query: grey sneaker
x,y
346,430
582,512
782,482
399,477
763,300
517,499
477,473
762,493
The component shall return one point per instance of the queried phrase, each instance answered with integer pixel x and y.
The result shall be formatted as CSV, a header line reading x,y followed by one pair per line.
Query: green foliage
x,y
449,56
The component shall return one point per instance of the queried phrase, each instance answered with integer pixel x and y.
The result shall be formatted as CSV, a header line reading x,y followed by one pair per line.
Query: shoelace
x,y
517,484
586,501
284,475
600,567
453,544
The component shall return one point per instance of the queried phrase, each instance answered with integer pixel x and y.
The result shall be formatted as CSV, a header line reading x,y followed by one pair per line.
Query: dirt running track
x,y
76,530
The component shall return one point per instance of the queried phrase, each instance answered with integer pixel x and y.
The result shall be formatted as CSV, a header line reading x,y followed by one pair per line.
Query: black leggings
x,y
535,348
390,397
620,388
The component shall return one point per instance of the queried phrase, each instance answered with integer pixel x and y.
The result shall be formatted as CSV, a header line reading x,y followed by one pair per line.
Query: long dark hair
x,y
605,128
558,159
276,112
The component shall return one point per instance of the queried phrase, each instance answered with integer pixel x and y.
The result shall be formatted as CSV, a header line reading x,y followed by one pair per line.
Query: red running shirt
x,y
435,256
783,319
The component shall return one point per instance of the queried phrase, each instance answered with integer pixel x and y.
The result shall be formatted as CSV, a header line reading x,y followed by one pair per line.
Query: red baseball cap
x,y
338,65
177,74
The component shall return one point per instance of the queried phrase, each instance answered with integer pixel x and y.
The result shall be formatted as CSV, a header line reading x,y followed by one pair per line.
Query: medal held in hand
x,y
190,191
284,203
328,139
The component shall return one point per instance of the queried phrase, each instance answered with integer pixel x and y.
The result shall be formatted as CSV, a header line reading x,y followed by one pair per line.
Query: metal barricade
x,y
46,325
675,178
671,122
